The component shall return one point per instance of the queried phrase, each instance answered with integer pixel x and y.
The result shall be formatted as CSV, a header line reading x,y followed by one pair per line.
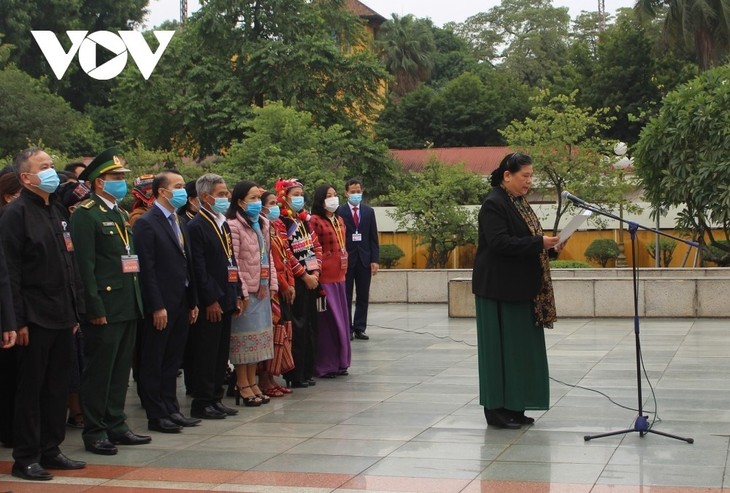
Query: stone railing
x,y
701,292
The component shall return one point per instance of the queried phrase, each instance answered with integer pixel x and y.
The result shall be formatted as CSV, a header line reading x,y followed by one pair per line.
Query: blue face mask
x,y
116,188
179,197
253,209
220,205
354,198
49,180
274,213
297,203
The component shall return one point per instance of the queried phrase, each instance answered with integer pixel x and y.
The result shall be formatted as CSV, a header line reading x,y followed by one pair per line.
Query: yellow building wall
x,y
463,257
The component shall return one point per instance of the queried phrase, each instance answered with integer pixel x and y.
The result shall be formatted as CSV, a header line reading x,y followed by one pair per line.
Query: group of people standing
x,y
198,280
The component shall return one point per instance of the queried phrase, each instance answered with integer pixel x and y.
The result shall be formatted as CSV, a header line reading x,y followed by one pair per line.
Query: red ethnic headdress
x,y
282,188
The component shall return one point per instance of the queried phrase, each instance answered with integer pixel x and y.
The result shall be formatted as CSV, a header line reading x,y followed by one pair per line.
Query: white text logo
x,y
126,41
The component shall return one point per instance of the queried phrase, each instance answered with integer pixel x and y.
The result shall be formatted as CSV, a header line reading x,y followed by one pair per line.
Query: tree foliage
x,y
281,142
702,26
29,112
431,209
683,158
406,46
568,152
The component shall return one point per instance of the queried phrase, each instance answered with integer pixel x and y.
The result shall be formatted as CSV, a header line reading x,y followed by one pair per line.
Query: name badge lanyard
x,y
130,263
227,248
340,235
310,262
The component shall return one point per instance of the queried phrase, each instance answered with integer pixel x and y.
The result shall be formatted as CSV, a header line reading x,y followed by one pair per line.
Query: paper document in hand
x,y
573,225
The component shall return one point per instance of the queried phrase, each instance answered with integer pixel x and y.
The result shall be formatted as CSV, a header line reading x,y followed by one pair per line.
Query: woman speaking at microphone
x,y
514,298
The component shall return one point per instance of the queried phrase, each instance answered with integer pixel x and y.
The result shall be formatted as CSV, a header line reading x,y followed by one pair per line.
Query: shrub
x,y
390,254
602,250
569,264
666,250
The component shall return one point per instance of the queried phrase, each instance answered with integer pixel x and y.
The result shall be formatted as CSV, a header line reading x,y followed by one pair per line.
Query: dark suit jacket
x,y
210,265
366,251
165,268
507,262
7,316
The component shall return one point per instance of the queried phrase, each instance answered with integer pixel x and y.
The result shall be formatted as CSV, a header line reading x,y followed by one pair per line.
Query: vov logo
x,y
131,42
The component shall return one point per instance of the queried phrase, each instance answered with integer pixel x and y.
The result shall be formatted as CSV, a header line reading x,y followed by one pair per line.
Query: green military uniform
x,y
102,237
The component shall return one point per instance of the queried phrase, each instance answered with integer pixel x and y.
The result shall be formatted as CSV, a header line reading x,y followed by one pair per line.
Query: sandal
x,y
248,401
283,390
265,399
273,392
76,421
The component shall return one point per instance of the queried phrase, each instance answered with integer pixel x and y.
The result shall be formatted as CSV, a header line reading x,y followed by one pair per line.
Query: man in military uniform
x,y
109,268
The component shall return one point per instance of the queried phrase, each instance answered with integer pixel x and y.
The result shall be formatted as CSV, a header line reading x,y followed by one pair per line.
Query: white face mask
x,y
331,203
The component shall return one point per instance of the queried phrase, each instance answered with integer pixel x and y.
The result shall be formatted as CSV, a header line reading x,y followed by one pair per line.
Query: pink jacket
x,y
248,256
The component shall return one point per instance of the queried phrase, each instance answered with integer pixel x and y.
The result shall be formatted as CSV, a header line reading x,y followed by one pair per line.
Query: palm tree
x,y
700,25
406,46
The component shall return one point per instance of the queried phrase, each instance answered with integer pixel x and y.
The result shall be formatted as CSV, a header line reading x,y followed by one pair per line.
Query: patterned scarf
x,y
544,301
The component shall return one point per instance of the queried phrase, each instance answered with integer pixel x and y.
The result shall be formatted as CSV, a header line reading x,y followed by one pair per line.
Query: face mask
x,y
49,180
220,205
355,198
253,209
116,188
297,203
331,203
179,197
274,213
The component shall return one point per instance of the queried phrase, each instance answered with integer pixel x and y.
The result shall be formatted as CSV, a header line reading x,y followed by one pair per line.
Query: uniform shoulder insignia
x,y
87,204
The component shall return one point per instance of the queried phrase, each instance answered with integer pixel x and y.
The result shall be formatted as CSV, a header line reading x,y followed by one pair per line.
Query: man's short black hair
x,y
161,180
351,182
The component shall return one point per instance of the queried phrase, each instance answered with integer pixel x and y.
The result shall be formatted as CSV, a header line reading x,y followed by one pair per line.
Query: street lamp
x,y
621,164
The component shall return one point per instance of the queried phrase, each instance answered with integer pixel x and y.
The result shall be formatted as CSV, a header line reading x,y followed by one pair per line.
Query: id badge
x,y
67,240
130,264
264,272
232,273
311,263
343,261
356,237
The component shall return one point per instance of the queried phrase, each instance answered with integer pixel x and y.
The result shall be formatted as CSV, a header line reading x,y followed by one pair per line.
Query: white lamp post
x,y
621,164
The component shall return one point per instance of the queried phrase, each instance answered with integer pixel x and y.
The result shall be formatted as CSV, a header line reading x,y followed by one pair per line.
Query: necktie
x,y
355,217
176,228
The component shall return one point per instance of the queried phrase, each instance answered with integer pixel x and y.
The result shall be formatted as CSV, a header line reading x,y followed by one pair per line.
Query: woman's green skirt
x,y
513,367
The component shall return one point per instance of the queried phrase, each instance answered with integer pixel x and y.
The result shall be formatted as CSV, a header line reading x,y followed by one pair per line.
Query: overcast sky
x,y
440,11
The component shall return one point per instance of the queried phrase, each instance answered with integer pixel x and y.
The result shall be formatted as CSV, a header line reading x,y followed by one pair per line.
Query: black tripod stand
x,y
641,424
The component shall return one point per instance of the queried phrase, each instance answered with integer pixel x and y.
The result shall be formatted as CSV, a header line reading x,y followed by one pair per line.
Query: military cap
x,y
106,162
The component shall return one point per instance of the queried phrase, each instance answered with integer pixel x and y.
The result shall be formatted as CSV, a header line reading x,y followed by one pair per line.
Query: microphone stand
x,y
641,423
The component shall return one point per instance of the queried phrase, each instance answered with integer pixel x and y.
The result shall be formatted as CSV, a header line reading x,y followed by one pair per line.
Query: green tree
x,y
451,57
407,48
281,142
299,52
568,152
528,37
682,159
431,208
702,26
29,112
405,123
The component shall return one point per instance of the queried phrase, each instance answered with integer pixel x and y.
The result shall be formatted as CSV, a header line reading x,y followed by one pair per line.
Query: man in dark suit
x,y
219,291
363,250
170,302
109,268
47,297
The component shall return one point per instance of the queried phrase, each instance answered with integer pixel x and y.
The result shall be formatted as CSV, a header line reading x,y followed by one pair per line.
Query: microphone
x,y
576,200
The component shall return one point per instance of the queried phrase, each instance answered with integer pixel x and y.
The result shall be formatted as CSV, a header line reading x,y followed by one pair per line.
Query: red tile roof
x,y
362,10
479,160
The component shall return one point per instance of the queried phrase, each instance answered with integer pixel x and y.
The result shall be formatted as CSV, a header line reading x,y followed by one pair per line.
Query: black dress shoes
x,y
164,425
62,462
130,438
218,405
181,420
207,412
33,472
362,336
501,419
102,447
